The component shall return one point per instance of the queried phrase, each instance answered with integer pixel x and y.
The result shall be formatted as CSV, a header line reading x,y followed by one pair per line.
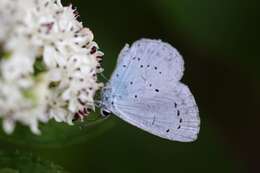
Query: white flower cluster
x,y
48,64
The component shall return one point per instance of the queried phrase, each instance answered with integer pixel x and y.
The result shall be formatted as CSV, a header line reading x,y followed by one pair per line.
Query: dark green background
x,y
219,41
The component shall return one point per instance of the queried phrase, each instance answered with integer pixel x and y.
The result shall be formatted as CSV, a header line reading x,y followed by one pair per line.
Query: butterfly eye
x,y
104,113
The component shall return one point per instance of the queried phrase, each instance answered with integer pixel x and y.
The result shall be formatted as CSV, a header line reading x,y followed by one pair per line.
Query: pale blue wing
x,y
123,54
147,59
145,91
171,114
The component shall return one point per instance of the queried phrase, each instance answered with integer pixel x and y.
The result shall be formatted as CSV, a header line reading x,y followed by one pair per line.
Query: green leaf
x,y
18,162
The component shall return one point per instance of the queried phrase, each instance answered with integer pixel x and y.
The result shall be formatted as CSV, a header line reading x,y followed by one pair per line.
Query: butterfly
x,y
145,90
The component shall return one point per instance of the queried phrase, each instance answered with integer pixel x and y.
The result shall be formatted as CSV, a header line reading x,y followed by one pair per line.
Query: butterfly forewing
x,y
147,59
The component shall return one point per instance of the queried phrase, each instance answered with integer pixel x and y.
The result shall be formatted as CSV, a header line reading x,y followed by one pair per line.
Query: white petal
x,y
8,126
73,105
55,75
34,128
49,56
66,94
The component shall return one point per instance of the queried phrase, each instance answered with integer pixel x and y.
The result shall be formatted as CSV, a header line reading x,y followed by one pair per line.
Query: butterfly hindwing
x,y
171,114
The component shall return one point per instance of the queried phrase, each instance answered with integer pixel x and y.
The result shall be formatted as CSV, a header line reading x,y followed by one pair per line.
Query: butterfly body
x,y
145,91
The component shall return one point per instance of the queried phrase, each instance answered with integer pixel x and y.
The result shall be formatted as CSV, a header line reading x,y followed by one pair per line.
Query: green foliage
x,y
8,170
227,27
18,162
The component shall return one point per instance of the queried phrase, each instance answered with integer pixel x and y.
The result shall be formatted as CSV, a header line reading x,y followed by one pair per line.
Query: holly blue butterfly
x,y
145,91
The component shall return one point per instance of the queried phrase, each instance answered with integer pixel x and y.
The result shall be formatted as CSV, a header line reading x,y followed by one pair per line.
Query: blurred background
x,y
219,41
